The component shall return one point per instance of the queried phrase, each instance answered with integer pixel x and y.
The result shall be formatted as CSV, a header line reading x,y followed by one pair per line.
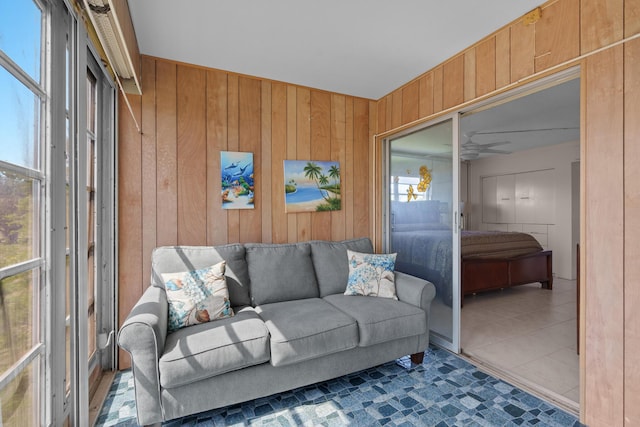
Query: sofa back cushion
x,y
280,272
331,264
171,259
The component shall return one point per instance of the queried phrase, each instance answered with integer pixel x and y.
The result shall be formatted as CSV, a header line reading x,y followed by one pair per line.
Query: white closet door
x,y
535,197
505,191
489,205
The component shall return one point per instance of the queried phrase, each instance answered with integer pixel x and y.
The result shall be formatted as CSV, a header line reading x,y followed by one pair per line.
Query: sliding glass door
x,y
423,217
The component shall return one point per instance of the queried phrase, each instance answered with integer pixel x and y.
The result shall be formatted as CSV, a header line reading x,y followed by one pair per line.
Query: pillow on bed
x,y
197,296
371,275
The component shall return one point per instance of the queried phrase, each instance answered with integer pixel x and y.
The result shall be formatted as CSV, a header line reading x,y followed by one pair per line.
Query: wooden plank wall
x,y
569,33
169,176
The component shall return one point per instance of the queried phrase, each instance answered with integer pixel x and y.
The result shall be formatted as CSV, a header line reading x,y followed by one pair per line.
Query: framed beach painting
x,y
311,186
236,176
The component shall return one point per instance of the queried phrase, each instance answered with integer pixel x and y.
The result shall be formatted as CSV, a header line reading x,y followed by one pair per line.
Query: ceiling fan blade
x,y
524,130
470,134
491,150
494,144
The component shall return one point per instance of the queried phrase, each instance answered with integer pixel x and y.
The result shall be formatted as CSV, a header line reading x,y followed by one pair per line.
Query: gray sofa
x,y
293,326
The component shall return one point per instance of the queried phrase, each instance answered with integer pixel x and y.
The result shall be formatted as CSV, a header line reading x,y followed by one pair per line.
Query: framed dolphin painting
x,y
236,175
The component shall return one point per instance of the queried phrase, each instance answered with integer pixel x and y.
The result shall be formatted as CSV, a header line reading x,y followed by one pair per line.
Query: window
x,y
22,185
57,215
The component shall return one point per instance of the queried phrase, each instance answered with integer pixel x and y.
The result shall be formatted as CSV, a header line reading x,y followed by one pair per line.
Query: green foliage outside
x,y
16,294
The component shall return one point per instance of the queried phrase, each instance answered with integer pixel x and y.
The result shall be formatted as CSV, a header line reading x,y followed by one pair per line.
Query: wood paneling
x,y
557,34
396,108
129,212
410,104
426,96
292,135
338,139
604,224
632,233
453,82
321,150
216,142
192,161
266,162
149,161
347,170
166,157
361,166
303,152
486,66
279,154
382,115
631,17
249,116
611,205
233,144
503,57
437,89
169,175
601,23
470,74
522,50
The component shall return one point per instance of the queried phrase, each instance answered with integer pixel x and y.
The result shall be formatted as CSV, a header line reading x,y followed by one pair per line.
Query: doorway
x,y
530,135
527,334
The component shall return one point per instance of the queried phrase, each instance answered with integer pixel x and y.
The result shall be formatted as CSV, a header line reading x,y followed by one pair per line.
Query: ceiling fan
x,y
470,150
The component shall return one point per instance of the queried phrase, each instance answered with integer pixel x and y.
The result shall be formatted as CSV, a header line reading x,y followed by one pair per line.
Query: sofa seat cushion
x,y
213,348
306,329
381,319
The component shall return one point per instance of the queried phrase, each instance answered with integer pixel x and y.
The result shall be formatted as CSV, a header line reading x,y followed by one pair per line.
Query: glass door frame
x,y
456,226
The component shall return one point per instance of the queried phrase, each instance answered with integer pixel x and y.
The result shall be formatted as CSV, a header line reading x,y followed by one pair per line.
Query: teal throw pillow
x,y
197,296
371,275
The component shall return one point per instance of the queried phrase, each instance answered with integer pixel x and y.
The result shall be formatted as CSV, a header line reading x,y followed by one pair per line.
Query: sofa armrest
x,y
415,291
420,293
143,336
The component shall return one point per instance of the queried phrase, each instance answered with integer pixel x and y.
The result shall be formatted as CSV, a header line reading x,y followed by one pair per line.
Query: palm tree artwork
x,y
312,186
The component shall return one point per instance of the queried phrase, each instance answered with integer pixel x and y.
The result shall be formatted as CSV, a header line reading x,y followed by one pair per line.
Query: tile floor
x,y
528,333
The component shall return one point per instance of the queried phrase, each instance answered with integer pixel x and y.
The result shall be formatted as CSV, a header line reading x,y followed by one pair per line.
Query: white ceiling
x,y
365,48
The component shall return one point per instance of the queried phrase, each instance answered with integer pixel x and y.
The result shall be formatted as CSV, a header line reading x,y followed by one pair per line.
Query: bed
x,y
489,260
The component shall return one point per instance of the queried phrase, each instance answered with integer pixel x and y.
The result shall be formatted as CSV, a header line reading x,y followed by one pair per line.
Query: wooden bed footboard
x,y
480,274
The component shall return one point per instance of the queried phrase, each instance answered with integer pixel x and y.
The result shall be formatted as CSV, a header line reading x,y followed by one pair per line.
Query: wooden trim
x,y
130,280
604,251
632,233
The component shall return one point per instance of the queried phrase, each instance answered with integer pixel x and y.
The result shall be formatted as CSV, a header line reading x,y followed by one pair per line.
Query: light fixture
x,y
114,29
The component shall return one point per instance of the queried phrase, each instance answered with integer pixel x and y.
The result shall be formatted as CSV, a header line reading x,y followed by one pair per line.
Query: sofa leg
x,y
417,358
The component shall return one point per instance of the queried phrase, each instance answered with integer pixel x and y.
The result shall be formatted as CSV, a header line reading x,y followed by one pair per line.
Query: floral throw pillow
x,y
371,275
197,296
